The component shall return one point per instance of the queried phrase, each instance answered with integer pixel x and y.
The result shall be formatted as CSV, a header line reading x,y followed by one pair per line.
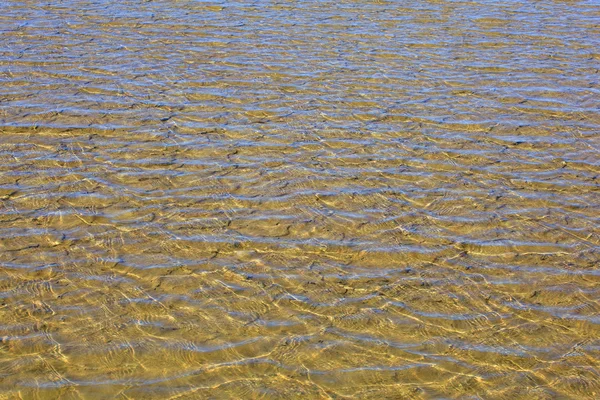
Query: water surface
x,y
299,199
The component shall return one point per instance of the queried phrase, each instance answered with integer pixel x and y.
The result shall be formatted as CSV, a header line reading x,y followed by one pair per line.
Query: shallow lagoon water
x,y
352,199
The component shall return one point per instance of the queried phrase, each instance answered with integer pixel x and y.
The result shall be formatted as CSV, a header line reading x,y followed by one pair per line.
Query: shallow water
x,y
299,199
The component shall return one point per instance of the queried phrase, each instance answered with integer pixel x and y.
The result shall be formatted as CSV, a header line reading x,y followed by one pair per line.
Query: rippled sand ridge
x,y
299,199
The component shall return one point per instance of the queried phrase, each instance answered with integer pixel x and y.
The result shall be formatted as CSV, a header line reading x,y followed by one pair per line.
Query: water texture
x,y
299,199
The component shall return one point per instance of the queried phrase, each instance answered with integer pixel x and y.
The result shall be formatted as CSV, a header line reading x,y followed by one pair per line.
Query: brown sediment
x,y
299,200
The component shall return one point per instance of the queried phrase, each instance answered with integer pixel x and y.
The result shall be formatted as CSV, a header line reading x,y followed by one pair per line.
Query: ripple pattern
x,y
299,199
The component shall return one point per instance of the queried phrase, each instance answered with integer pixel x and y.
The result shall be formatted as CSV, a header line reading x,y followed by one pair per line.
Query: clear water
x,y
299,199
